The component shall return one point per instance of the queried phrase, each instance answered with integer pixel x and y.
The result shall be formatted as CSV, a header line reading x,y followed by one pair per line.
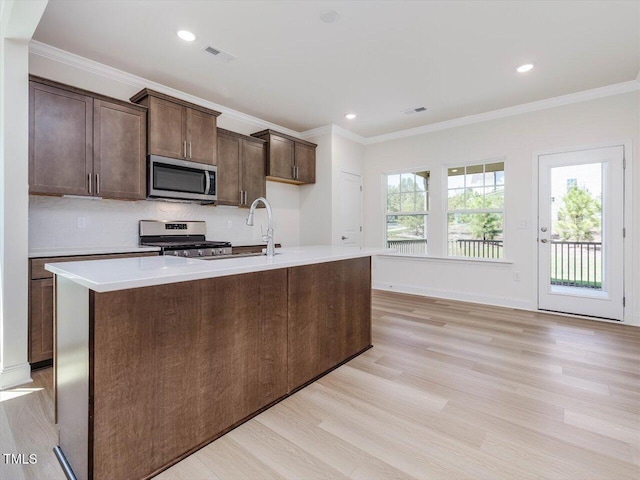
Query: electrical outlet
x,y
82,222
229,224
516,276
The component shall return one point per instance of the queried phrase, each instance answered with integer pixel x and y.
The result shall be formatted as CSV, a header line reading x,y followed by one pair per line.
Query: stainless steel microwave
x,y
181,179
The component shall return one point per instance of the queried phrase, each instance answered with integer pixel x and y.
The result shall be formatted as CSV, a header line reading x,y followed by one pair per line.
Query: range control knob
x,y
185,253
200,253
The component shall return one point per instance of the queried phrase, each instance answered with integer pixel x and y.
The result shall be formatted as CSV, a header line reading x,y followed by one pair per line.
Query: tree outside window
x,y
475,219
407,211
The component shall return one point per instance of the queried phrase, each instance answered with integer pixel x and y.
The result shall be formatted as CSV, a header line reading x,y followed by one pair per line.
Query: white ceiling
x,y
457,58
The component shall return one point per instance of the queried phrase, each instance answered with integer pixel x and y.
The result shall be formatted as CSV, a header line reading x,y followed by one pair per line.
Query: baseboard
x,y
494,301
456,295
15,375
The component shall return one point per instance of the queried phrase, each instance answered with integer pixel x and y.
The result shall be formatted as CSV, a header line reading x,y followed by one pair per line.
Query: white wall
x,y
18,21
53,220
518,138
316,199
321,202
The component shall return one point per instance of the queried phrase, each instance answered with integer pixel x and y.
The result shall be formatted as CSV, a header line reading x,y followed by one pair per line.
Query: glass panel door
x,y
580,240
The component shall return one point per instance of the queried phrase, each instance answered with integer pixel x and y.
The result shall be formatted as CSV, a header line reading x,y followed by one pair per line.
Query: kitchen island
x,y
158,356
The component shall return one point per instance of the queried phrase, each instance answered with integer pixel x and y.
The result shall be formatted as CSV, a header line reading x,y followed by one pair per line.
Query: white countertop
x,y
121,274
73,251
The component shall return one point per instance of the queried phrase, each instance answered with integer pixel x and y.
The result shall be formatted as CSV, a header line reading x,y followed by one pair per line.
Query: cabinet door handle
x,y
244,201
189,149
89,182
241,196
293,171
185,149
97,184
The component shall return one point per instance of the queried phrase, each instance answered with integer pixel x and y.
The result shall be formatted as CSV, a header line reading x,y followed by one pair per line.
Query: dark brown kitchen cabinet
x,y
41,320
60,141
119,134
289,159
326,326
179,129
82,143
41,303
241,169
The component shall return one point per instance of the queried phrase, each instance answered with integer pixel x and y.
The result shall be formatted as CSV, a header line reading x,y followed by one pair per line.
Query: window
x,y
475,211
407,211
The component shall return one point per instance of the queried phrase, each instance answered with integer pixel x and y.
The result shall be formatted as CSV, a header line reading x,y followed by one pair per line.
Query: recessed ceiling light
x,y
186,35
350,116
329,16
524,68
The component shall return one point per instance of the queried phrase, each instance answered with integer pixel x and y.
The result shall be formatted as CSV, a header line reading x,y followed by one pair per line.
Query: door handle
x,y
185,148
190,156
543,240
293,171
97,184
345,238
89,182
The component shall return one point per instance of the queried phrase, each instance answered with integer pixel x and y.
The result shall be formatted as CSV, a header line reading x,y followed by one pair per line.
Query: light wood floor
x,y
450,390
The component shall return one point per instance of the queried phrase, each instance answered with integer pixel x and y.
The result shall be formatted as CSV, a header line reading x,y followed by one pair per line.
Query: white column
x,y
18,22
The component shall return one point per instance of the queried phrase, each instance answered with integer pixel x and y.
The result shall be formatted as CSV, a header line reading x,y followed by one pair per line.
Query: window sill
x,y
500,262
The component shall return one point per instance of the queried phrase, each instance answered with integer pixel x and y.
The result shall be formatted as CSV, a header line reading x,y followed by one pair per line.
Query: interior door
x,y
580,232
350,219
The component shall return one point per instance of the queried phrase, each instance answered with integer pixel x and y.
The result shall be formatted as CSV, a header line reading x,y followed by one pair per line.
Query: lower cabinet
x,y
172,367
41,321
176,365
329,316
41,304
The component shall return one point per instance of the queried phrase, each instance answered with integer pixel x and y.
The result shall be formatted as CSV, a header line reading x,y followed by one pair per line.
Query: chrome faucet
x,y
269,236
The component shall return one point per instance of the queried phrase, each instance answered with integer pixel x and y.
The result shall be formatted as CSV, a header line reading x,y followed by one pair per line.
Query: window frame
x,y
386,213
446,211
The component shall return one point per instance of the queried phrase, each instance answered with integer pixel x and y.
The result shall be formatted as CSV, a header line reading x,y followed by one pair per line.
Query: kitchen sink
x,y
233,255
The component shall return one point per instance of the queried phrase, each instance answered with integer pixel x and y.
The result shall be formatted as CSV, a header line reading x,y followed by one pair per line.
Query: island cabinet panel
x,y
174,366
329,316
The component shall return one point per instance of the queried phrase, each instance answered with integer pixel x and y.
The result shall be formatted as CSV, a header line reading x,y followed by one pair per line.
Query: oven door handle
x,y
208,182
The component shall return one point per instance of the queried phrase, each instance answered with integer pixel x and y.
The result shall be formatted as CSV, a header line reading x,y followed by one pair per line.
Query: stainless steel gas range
x,y
182,239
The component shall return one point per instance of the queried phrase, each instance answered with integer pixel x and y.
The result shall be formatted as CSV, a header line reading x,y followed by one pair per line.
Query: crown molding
x,y
96,68
334,130
82,63
609,90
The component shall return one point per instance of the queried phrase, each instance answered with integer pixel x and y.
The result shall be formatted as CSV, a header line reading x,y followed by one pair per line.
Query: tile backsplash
x,y
59,222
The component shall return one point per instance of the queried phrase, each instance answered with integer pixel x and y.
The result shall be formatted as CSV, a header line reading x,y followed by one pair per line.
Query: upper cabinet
x,y
82,143
241,169
179,129
289,159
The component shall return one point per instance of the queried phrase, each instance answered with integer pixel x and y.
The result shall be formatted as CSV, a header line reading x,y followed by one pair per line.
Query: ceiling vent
x,y
414,110
219,54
